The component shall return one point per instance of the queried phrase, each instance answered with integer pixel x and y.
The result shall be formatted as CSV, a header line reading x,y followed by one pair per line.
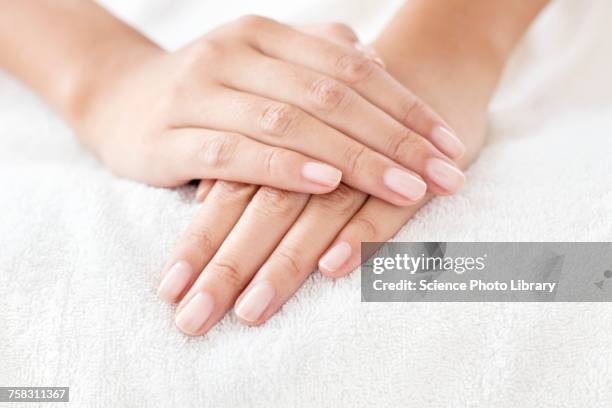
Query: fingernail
x,y
405,184
322,174
447,142
194,315
174,282
445,175
370,52
201,192
336,256
255,301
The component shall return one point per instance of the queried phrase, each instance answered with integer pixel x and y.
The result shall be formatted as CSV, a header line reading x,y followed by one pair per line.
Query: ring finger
x,y
295,258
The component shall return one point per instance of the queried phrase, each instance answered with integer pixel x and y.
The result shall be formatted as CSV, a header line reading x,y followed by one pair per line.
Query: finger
x,y
344,35
338,32
202,153
376,221
295,257
263,224
204,187
338,105
283,125
214,220
369,79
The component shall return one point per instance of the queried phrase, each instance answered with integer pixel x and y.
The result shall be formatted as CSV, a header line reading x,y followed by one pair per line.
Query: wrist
x,y
459,42
471,73
98,72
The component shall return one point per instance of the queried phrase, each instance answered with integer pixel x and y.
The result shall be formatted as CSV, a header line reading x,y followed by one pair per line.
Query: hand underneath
x,y
259,102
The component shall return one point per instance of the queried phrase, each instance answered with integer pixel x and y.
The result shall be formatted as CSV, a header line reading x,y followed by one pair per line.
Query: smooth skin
x,y
255,260
254,101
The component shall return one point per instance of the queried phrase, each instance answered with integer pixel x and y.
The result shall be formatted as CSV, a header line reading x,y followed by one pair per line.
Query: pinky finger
x,y
376,221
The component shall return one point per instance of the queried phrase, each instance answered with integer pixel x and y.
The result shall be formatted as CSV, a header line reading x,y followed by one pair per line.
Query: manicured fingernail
x,y
445,175
370,52
336,257
322,174
255,301
174,282
201,193
446,140
405,184
194,315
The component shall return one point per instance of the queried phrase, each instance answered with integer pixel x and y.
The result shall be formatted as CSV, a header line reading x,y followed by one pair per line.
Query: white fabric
x,y
80,253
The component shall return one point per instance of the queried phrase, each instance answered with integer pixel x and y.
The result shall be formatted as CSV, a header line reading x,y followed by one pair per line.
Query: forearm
x,y
61,48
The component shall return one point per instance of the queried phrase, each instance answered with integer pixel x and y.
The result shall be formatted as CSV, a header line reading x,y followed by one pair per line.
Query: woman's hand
x,y
251,248
259,102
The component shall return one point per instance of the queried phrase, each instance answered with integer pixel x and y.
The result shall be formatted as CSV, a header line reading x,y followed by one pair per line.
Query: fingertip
x,y
322,174
192,318
250,323
408,187
203,189
252,305
447,176
174,282
448,142
332,262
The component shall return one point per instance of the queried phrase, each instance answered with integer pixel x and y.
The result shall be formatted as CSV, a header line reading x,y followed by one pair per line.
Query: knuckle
x,y
228,191
218,150
355,68
228,272
199,238
278,119
289,261
412,108
206,48
341,30
327,94
274,161
354,158
199,55
275,202
190,64
179,85
340,201
250,22
403,145
366,228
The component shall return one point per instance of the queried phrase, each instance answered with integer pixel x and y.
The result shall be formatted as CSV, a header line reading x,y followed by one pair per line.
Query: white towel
x,y
81,251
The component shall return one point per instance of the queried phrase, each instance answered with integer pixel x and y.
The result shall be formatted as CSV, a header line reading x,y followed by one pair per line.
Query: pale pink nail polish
x,y
322,174
336,257
174,282
405,184
255,301
446,141
444,174
194,315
